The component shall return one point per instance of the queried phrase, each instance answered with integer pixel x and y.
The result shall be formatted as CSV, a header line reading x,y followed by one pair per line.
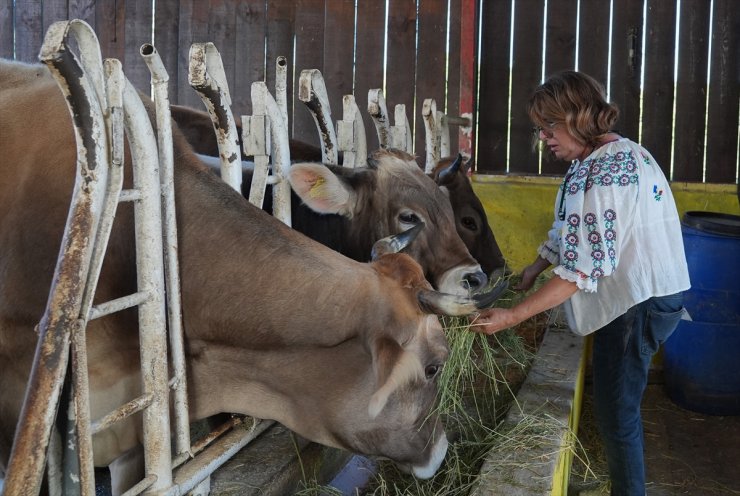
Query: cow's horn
x,y
455,305
396,242
450,170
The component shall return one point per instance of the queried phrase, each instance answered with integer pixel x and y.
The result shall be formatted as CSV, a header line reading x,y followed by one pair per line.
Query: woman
x,y
617,249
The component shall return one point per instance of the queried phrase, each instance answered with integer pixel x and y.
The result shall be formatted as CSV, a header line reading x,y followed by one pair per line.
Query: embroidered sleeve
x,y
550,249
600,199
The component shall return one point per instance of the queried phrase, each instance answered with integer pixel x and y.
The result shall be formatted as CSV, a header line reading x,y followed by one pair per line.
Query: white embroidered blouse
x,y
616,234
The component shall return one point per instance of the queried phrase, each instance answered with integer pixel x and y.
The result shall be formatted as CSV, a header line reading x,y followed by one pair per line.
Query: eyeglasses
x,y
547,130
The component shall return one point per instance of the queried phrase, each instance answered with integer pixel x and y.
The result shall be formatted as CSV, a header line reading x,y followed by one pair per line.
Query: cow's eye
x,y
469,224
409,218
432,370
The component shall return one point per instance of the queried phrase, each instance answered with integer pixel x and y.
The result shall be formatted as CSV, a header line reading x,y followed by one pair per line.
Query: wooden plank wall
x,y
676,138
401,45
250,34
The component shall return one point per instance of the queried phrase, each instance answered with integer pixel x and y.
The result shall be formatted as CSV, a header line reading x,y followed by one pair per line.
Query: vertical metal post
x,y
150,279
172,268
281,89
263,104
429,114
401,135
379,112
351,138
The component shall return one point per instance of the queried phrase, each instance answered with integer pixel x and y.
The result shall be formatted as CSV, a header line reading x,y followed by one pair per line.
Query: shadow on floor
x,y
687,453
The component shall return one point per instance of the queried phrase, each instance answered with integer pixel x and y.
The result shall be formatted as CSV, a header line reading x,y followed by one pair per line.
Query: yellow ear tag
x,y
316,190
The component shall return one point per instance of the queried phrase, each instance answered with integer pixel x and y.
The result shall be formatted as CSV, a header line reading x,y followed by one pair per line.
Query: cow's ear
x,y
393,368
321,189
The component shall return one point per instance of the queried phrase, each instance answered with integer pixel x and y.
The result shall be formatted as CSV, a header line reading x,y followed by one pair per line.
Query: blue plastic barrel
x,y
701,360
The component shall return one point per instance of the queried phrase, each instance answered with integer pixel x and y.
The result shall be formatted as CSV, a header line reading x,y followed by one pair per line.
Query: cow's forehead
x,y
410,182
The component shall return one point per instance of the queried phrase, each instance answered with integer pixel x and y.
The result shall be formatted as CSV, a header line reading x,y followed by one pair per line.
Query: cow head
x,y
470,217
389,196
406,354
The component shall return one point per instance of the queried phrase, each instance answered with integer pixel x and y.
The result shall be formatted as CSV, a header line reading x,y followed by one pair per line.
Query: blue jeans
x,y
622,353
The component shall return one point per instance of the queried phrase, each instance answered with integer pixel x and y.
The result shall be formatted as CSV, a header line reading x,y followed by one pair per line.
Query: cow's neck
x,y
221,298
260,383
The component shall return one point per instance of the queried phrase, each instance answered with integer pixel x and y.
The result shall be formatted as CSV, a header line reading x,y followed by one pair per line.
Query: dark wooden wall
x,y
250,35
671,120
676,138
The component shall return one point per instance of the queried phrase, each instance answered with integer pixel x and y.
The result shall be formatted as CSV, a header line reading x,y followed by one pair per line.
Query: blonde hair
x,y
576,100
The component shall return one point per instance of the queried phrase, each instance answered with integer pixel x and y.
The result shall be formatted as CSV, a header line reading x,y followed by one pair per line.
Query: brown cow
x,y
470,217
276,325
388,197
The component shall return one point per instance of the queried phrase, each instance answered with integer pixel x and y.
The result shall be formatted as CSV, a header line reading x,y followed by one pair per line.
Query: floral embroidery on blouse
x,y
601,245
618,169
597,228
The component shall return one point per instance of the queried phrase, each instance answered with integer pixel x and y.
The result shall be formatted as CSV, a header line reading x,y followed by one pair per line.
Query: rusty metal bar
x,y
114,81
141,486
82,410
54,470
202,443
378,110
312,92
122,412
458,121
206,76
196,470
78,84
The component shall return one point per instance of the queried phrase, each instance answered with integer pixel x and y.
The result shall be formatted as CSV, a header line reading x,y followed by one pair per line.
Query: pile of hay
x,y
477,387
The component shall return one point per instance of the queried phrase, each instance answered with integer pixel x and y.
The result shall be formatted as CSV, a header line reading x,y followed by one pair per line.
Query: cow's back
x,y
28,139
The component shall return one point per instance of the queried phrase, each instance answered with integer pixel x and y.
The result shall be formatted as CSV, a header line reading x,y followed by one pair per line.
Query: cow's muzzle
x,y
454,305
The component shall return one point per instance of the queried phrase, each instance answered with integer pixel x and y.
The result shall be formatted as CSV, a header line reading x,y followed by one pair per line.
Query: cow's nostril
x,y
475,280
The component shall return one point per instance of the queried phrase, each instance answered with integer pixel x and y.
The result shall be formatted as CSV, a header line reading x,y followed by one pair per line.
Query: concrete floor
x,y
686,453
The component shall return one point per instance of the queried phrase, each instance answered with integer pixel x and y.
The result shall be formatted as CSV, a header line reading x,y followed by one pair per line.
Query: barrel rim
x,y
713,222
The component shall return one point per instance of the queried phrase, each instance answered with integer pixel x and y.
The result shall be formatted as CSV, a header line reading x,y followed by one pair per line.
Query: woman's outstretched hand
x,y
554,292
493,320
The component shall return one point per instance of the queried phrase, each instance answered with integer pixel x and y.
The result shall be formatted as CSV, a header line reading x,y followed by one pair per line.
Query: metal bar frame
x,y
206,76
312,92
81,82
351,137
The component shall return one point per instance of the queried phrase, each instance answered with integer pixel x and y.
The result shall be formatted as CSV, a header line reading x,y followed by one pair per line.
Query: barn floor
x,y
687,453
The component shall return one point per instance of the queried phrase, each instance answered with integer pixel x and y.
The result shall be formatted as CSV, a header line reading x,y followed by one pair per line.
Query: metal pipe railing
x,y
206,76
150,279
312,92
401,134
172,266
266,130
351,138
378,111
81,83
